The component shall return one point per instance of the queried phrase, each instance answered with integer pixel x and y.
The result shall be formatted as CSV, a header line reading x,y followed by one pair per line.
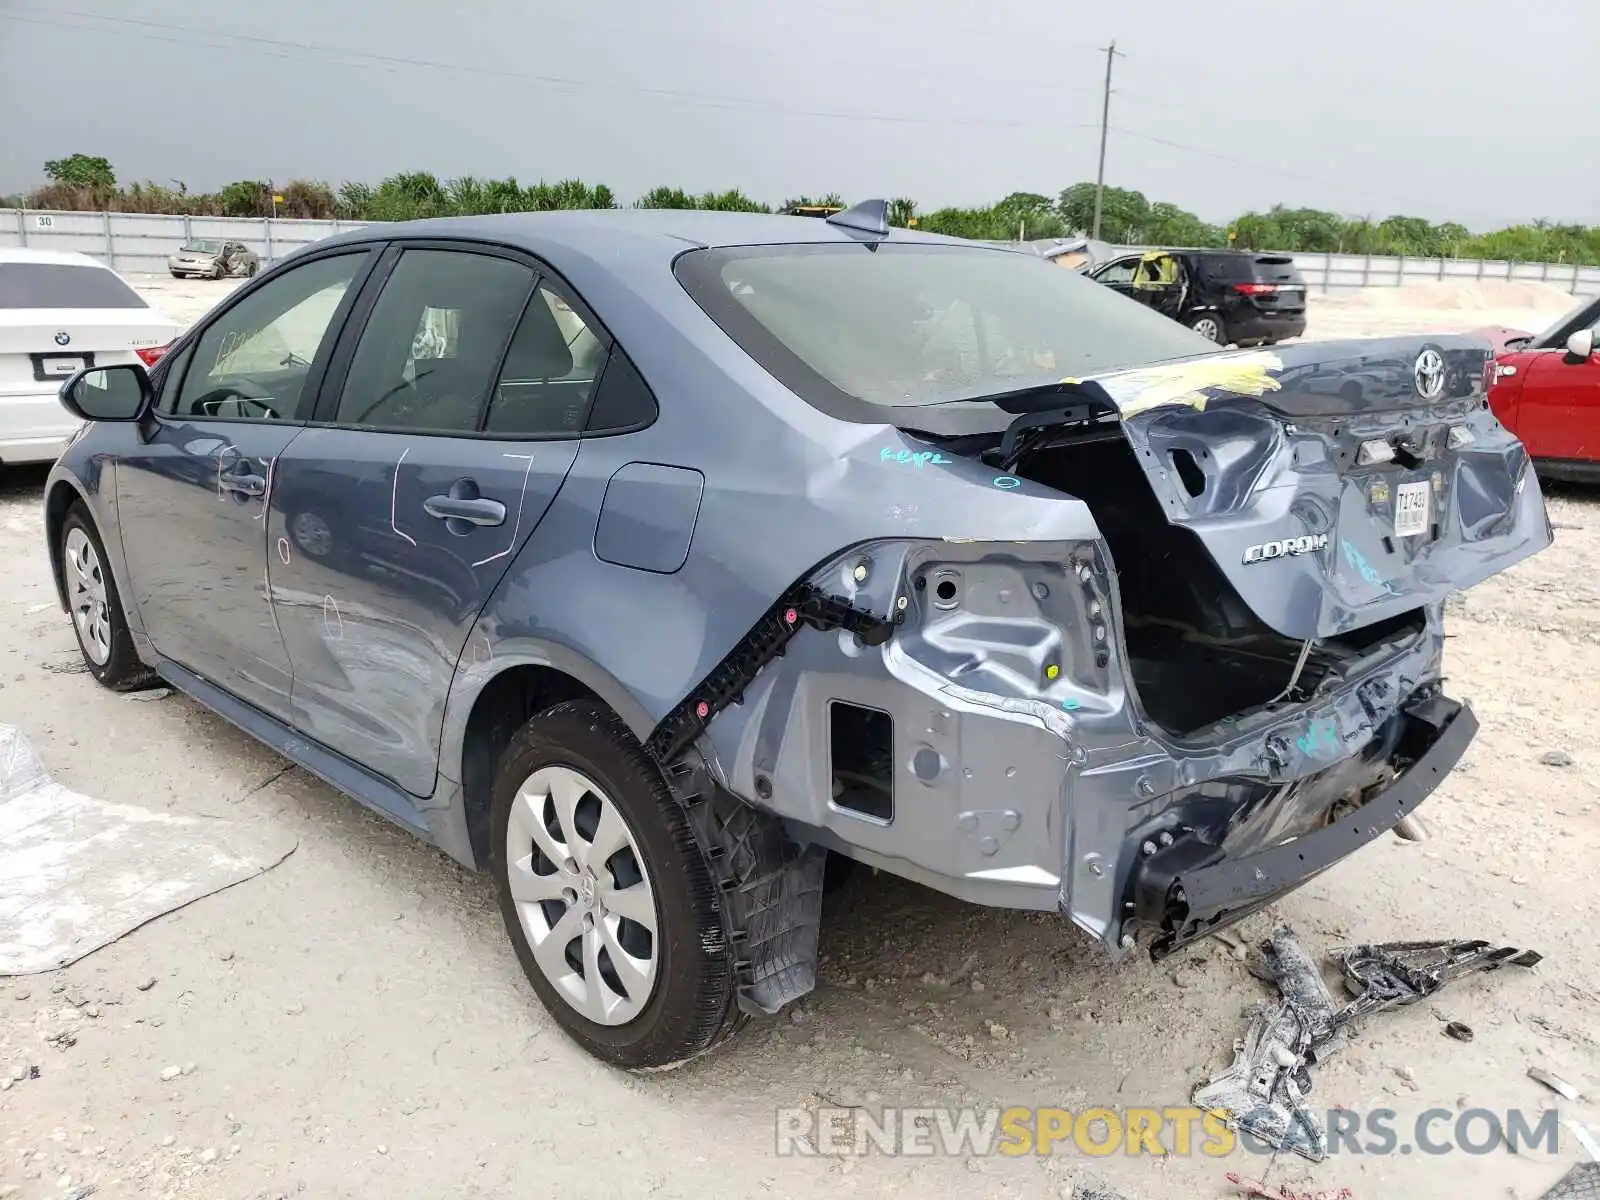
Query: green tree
x,y
1170,225
666,197
1124,213
246,198
81,170
902,211
1029,214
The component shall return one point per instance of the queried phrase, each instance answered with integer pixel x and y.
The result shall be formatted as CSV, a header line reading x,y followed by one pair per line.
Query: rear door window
x,y
550,371
64,285
432,348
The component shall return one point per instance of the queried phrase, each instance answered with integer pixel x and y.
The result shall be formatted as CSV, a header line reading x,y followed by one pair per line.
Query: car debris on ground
x,y
1580,1183
1255,1189
1555,1083
1264,1090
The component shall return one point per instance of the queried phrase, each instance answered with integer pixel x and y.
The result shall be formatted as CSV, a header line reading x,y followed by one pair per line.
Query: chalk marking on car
x,y
333,631
522,497
266,496
394,493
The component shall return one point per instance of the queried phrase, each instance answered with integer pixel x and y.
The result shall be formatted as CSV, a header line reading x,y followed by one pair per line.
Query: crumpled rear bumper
x,y
1188,889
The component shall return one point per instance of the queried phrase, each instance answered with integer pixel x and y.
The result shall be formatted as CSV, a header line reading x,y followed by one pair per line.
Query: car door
x,y
1118,275
1558,413
445,432
192,497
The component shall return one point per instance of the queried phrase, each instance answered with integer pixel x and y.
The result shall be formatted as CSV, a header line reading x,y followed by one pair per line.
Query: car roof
x,y
605,231
60,258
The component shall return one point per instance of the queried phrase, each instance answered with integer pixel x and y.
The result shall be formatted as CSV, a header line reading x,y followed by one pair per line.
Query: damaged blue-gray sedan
x,y
646,558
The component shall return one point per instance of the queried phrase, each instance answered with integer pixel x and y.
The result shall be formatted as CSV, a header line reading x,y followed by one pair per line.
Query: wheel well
x,y
56,506
502,708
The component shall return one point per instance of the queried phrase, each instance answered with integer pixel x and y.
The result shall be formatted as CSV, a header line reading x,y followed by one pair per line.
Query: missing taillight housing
x,y
151,355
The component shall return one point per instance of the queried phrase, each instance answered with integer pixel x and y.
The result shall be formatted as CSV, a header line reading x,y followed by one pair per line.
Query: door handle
x,y
476,511
246,485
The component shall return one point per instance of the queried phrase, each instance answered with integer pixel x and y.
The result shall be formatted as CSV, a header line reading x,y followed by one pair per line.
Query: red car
x,y
1547,392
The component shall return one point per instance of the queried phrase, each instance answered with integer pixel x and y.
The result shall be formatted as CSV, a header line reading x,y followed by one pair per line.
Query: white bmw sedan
x,y
61,312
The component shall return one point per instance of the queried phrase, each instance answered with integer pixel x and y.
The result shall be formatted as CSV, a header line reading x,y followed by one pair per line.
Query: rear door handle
x,y
475,511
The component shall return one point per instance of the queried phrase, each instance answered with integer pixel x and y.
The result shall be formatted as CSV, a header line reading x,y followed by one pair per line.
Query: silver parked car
x,y
644,559
213,258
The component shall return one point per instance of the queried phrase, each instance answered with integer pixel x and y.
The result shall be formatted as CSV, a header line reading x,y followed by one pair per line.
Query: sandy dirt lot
x,y
353,1023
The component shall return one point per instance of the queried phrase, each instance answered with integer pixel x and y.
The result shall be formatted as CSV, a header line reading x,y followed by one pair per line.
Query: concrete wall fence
x,y
139,243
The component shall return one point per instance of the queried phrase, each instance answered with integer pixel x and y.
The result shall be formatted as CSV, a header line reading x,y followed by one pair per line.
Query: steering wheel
x,y
244,392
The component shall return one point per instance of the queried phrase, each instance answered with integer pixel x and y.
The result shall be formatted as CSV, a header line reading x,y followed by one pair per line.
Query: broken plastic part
x,y
771,890
1255,1189
1400,973
1375,451
1263,1092
1555,1083
804,605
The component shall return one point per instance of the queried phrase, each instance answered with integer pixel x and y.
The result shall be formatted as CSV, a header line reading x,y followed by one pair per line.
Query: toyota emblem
x,y
63,337
1428,374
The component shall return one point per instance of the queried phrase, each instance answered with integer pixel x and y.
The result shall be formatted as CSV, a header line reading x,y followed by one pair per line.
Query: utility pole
x,y
1105,121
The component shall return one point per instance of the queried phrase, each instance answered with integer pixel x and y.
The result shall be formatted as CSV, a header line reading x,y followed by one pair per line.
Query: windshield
x,y
203,246
61,285
1570,321
852,327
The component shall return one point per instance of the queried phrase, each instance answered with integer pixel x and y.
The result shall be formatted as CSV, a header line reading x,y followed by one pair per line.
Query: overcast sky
x,y
1448,109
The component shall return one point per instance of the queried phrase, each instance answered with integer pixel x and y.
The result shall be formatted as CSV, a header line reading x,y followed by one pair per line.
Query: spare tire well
x,y
505,704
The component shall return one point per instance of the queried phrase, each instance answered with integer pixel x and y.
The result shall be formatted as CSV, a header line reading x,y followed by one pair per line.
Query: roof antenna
x,y
870,216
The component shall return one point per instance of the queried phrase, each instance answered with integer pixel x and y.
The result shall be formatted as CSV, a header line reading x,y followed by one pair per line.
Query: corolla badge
x,y
1428,374
1286,547
63,337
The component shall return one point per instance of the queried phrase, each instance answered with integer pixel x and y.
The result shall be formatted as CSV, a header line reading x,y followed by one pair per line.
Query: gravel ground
x,y
353,1023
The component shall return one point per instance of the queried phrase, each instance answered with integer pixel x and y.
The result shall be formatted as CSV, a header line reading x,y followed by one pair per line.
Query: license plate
x,y
1411,504
63,366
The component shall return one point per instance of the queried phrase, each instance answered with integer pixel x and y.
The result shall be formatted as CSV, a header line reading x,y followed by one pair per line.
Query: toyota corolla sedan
x,y
646,558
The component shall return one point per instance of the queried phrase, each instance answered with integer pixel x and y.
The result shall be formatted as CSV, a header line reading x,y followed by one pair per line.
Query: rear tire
x,y
1210,325
102,631
594,860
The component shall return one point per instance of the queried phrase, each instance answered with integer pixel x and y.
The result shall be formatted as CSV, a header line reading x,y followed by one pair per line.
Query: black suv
x,y
1231,296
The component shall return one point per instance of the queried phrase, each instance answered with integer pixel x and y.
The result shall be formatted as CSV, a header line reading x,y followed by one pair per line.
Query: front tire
x,y
1209,325
606,894
97,619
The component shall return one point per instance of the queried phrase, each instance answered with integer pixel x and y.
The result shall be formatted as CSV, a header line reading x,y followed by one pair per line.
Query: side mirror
x,y
1581,344
119,393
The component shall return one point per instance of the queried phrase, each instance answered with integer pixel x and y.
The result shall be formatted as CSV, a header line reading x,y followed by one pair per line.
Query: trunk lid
x,y
39,348
1335,484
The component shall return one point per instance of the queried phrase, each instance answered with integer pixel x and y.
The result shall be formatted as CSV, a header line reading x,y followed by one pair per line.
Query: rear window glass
x,y
59,285
1239,268
853,328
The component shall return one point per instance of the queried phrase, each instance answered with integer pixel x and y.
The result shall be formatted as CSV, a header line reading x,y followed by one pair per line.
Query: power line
x,y
1280,171
187,35
701,99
